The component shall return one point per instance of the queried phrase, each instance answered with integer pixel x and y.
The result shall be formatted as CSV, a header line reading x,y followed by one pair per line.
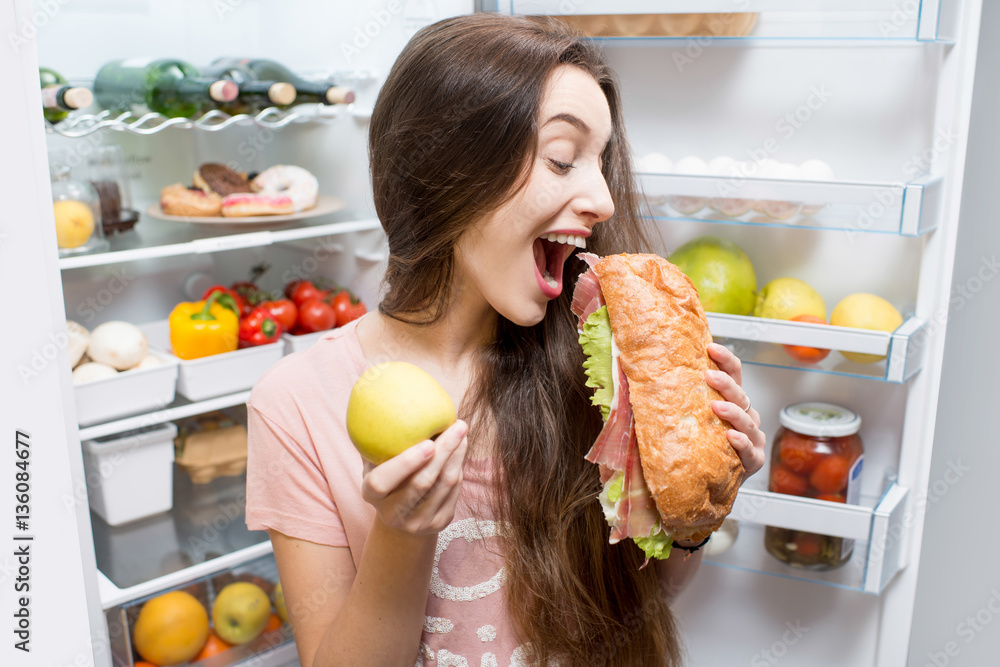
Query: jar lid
x,y
820,419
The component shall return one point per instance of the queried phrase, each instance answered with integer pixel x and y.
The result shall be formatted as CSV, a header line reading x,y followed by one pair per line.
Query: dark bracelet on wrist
x,y
691,549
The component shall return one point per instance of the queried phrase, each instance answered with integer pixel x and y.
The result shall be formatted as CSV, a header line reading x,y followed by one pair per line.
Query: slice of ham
x,y
587,296
637,515
612,445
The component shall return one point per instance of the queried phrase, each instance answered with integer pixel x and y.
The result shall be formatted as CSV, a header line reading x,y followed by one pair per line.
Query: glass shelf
x,y
756,340
875,525
905,209
167,238
269,649
828,21
204,532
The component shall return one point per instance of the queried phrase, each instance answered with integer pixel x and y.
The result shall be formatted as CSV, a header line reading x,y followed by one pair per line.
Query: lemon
x,y
865,311
721,272
74,223
787,298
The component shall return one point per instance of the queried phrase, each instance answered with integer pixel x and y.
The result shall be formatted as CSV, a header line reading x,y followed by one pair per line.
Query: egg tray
x,y
262,571
210,446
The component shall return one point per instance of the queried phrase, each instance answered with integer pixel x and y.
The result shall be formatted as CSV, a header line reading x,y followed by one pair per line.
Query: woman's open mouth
x,y
551,252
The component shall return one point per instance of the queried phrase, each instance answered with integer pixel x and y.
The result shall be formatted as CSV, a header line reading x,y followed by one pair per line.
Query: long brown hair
x,y
452,136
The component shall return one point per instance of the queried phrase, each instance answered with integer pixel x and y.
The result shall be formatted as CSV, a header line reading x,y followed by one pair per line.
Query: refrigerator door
x,y
50,597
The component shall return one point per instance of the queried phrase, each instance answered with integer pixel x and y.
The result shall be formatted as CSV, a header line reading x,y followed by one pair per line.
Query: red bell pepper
x,y
259,328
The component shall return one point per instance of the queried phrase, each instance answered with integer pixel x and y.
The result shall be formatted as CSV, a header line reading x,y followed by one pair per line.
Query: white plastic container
x,y
302,341
130,475
128,393
219,374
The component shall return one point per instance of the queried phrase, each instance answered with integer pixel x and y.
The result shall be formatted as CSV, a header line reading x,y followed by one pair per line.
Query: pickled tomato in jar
x,y
817,453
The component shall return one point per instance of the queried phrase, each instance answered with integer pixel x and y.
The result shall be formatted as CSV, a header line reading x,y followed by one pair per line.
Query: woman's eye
x,y
561,167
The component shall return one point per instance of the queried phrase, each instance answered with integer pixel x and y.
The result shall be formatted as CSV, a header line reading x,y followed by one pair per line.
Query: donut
x,y
244,204
178,199
290,181
220,179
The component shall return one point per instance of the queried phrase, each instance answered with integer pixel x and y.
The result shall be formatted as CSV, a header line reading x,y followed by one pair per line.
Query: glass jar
x,y
817,453
77,213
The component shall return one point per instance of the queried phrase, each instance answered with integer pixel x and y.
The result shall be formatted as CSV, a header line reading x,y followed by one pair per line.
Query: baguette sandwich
x,y
667,468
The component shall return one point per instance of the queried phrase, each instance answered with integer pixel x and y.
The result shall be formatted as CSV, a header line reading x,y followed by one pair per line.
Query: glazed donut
x,y
290,181
243,204
178,199
219,179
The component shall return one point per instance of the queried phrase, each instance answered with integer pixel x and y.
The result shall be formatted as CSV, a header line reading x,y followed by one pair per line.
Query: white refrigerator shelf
x,y
906,209
878,526
161,238
757,340
828,21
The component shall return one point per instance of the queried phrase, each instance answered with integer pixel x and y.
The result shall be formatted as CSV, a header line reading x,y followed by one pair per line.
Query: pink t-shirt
x,y
304,480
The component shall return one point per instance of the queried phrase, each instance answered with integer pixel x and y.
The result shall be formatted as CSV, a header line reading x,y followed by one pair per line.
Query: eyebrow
x,y
571,119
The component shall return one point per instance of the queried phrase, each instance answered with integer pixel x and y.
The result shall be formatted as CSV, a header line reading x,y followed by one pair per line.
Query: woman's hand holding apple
x,y
416,491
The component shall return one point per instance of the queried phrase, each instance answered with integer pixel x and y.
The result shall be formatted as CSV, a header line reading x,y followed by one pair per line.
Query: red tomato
x,y
800,454
284,311
785,481
832,497
808,544
830,476
807,355
346,308
306,291
314,315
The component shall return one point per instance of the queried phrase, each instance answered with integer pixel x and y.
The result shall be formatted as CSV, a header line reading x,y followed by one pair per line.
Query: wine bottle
x,y
254,94
170,87
59,98
306,91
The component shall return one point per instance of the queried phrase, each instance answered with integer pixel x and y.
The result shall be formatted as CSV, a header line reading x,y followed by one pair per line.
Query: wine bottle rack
x,y
81,125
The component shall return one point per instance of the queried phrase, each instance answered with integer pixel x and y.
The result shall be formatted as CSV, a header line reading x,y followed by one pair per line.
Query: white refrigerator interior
x,y
881,92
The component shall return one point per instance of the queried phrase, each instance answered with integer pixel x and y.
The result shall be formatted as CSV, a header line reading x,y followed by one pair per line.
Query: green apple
x,y
278,597
240,612
394,406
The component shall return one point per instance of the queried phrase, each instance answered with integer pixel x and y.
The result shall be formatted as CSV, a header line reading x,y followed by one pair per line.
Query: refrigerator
x,y
894,95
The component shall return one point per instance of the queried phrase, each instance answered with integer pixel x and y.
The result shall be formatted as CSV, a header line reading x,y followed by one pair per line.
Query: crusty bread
x,y
661,332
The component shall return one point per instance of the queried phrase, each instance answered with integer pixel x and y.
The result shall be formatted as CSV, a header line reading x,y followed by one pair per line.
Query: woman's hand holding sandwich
x,y
745,436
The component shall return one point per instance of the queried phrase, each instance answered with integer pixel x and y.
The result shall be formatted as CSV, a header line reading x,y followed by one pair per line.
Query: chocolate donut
x,y
220,179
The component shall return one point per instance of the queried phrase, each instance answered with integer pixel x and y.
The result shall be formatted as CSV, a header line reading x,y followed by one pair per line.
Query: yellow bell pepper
x,y
203,328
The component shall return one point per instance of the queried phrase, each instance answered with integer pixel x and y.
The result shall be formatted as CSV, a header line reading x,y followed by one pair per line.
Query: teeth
x,y
549,280
567,239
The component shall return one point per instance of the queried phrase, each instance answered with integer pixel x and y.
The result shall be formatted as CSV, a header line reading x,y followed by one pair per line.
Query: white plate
x,y
324,206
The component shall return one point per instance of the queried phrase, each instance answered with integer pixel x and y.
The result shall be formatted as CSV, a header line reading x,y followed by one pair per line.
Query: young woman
x,y
485,547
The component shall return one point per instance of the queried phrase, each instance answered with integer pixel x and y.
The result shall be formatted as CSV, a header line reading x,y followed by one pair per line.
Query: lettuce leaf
x,y
596,342
657,545
611,494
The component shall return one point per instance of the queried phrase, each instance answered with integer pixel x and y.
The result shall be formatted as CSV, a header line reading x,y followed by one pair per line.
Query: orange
x,y
171,628
212,646
143,663
273,623
807,355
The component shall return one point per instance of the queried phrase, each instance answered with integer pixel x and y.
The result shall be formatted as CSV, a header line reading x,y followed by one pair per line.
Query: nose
x,y
593,202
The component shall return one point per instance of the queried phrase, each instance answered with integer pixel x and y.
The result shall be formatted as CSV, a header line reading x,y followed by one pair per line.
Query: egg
x,y
691,165
780,209
815,170
655,163
728,169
